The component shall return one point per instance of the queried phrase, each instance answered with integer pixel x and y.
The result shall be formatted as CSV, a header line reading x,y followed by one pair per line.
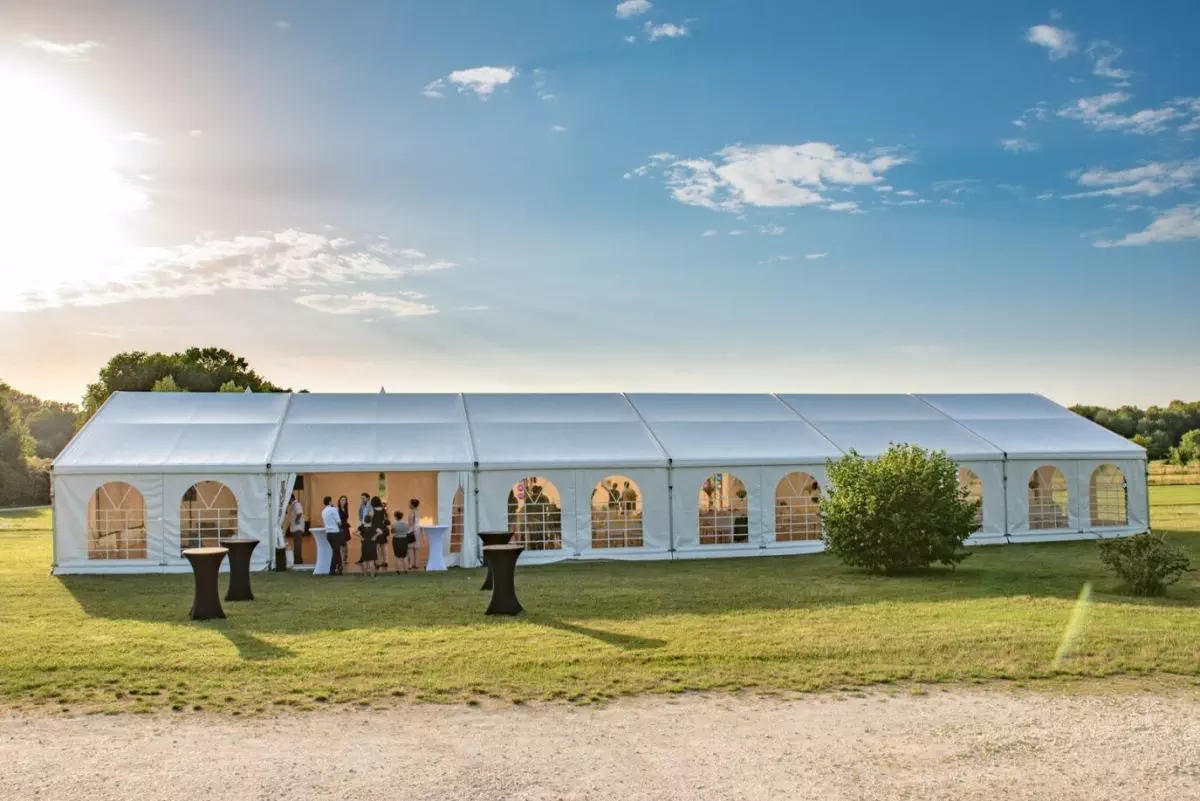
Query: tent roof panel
x,y
678,408
593,444
873,437
844,408
549,408
744,442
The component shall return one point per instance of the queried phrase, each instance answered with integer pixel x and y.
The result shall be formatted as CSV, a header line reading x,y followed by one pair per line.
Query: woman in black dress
x,y
343,507
368,558
380,530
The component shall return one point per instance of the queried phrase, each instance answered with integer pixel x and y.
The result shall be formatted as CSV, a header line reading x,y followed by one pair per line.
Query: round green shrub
x,y
902,511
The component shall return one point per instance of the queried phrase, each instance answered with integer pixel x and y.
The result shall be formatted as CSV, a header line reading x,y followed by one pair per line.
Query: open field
x,y
594,631
1163,474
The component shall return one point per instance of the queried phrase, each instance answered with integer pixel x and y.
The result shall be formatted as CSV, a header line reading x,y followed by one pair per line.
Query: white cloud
x,y
774,259
1046,196
1173,225
1096,112
482,81
398,304
539,85
264,261
667,30
141,138
1019,145
1150,180
558,129
283,25
1059,42
70,52
845,205
770,176
1103,55
811,256
737,232
1039,113
771,230
709,232
957,186
884,188
918,202
633,8
631,39
906,193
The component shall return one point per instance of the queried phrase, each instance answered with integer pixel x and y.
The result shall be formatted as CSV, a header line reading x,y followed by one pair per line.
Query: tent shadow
x,y
628,642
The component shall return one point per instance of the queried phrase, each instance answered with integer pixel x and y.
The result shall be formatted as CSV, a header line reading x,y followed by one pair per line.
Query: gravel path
x,y
947,745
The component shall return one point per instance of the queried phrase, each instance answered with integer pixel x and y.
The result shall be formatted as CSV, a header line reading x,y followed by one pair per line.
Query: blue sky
x,y
573,196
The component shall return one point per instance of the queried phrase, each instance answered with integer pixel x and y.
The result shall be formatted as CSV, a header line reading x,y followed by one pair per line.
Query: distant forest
x,y
1162,430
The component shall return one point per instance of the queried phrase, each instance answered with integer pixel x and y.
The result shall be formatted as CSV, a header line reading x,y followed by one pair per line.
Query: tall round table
x,y
503,561
240,549
437,547
324,553
206,564
492,538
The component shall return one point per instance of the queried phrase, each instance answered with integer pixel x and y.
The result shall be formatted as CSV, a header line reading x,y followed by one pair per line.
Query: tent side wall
x,y
73,494
1025,526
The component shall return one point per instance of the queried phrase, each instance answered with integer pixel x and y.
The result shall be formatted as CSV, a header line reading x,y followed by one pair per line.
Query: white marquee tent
x,y
614,476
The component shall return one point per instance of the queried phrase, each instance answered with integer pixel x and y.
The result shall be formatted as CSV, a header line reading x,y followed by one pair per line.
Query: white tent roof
x,y
380,431
183,433
530,431
731,430
869,424
1034,427
176,432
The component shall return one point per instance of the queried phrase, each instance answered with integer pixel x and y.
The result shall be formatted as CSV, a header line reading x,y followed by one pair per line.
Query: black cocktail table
x,y
206,564
240,549
502,560
492,538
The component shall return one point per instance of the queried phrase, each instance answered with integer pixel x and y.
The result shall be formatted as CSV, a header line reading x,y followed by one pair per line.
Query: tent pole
x,y
475,502
1004,489
671,508
53,526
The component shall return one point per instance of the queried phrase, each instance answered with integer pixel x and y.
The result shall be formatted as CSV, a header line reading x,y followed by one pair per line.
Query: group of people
x,y
374,530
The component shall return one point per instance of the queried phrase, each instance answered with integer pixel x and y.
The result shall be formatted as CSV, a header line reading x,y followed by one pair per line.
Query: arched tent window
x,y
617,514
724,518
116,522
1048,501
797,508
535,514
457,521
208,513
1108,497
969,480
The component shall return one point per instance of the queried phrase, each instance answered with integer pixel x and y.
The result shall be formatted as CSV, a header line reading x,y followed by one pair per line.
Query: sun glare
x,y
64,202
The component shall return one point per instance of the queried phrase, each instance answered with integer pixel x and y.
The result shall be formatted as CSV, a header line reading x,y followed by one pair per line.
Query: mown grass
x,y
593,631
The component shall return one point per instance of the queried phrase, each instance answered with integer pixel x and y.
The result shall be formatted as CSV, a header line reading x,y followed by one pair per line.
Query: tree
x,y
18,485
230,386
903,511
1146,562
192,370
1188,449
51,427
167,384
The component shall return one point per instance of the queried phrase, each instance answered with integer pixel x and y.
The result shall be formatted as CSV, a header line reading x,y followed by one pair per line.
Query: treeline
x,y
1161,430
32,432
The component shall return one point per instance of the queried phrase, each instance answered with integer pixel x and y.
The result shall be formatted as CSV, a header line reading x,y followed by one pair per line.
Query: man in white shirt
x,y
296,528
332,521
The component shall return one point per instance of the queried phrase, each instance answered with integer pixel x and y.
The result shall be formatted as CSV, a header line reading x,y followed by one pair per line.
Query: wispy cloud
x,y
1174,225
737,232
813,256
709,232
402,303
771,176
1060,42
558,129
666,30
1037,113
283,25
775,259
79,51
1149,180
264,261
771,230
1103,55
480,81
1019,145
633,8
1097,112
539,85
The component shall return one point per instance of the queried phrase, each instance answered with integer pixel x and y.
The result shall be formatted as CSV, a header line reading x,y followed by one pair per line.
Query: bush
x,y
902,511
1147,563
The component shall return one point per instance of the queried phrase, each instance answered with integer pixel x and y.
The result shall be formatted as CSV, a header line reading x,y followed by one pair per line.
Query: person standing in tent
x,y
364,510
332,522
414,525
343,507
296,523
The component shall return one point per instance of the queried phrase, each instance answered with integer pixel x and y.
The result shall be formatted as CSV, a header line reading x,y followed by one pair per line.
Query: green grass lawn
x,y
593,631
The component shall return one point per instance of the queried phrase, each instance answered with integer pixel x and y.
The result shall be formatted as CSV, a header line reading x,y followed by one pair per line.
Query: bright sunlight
x,y
63,200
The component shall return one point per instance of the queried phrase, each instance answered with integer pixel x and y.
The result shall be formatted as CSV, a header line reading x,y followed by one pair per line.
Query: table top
x,y
205,551
238,540
511,546
436,529
499,536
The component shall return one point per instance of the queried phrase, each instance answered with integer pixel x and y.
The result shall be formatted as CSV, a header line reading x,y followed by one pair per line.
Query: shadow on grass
x,y
298,603
252,649
627,642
